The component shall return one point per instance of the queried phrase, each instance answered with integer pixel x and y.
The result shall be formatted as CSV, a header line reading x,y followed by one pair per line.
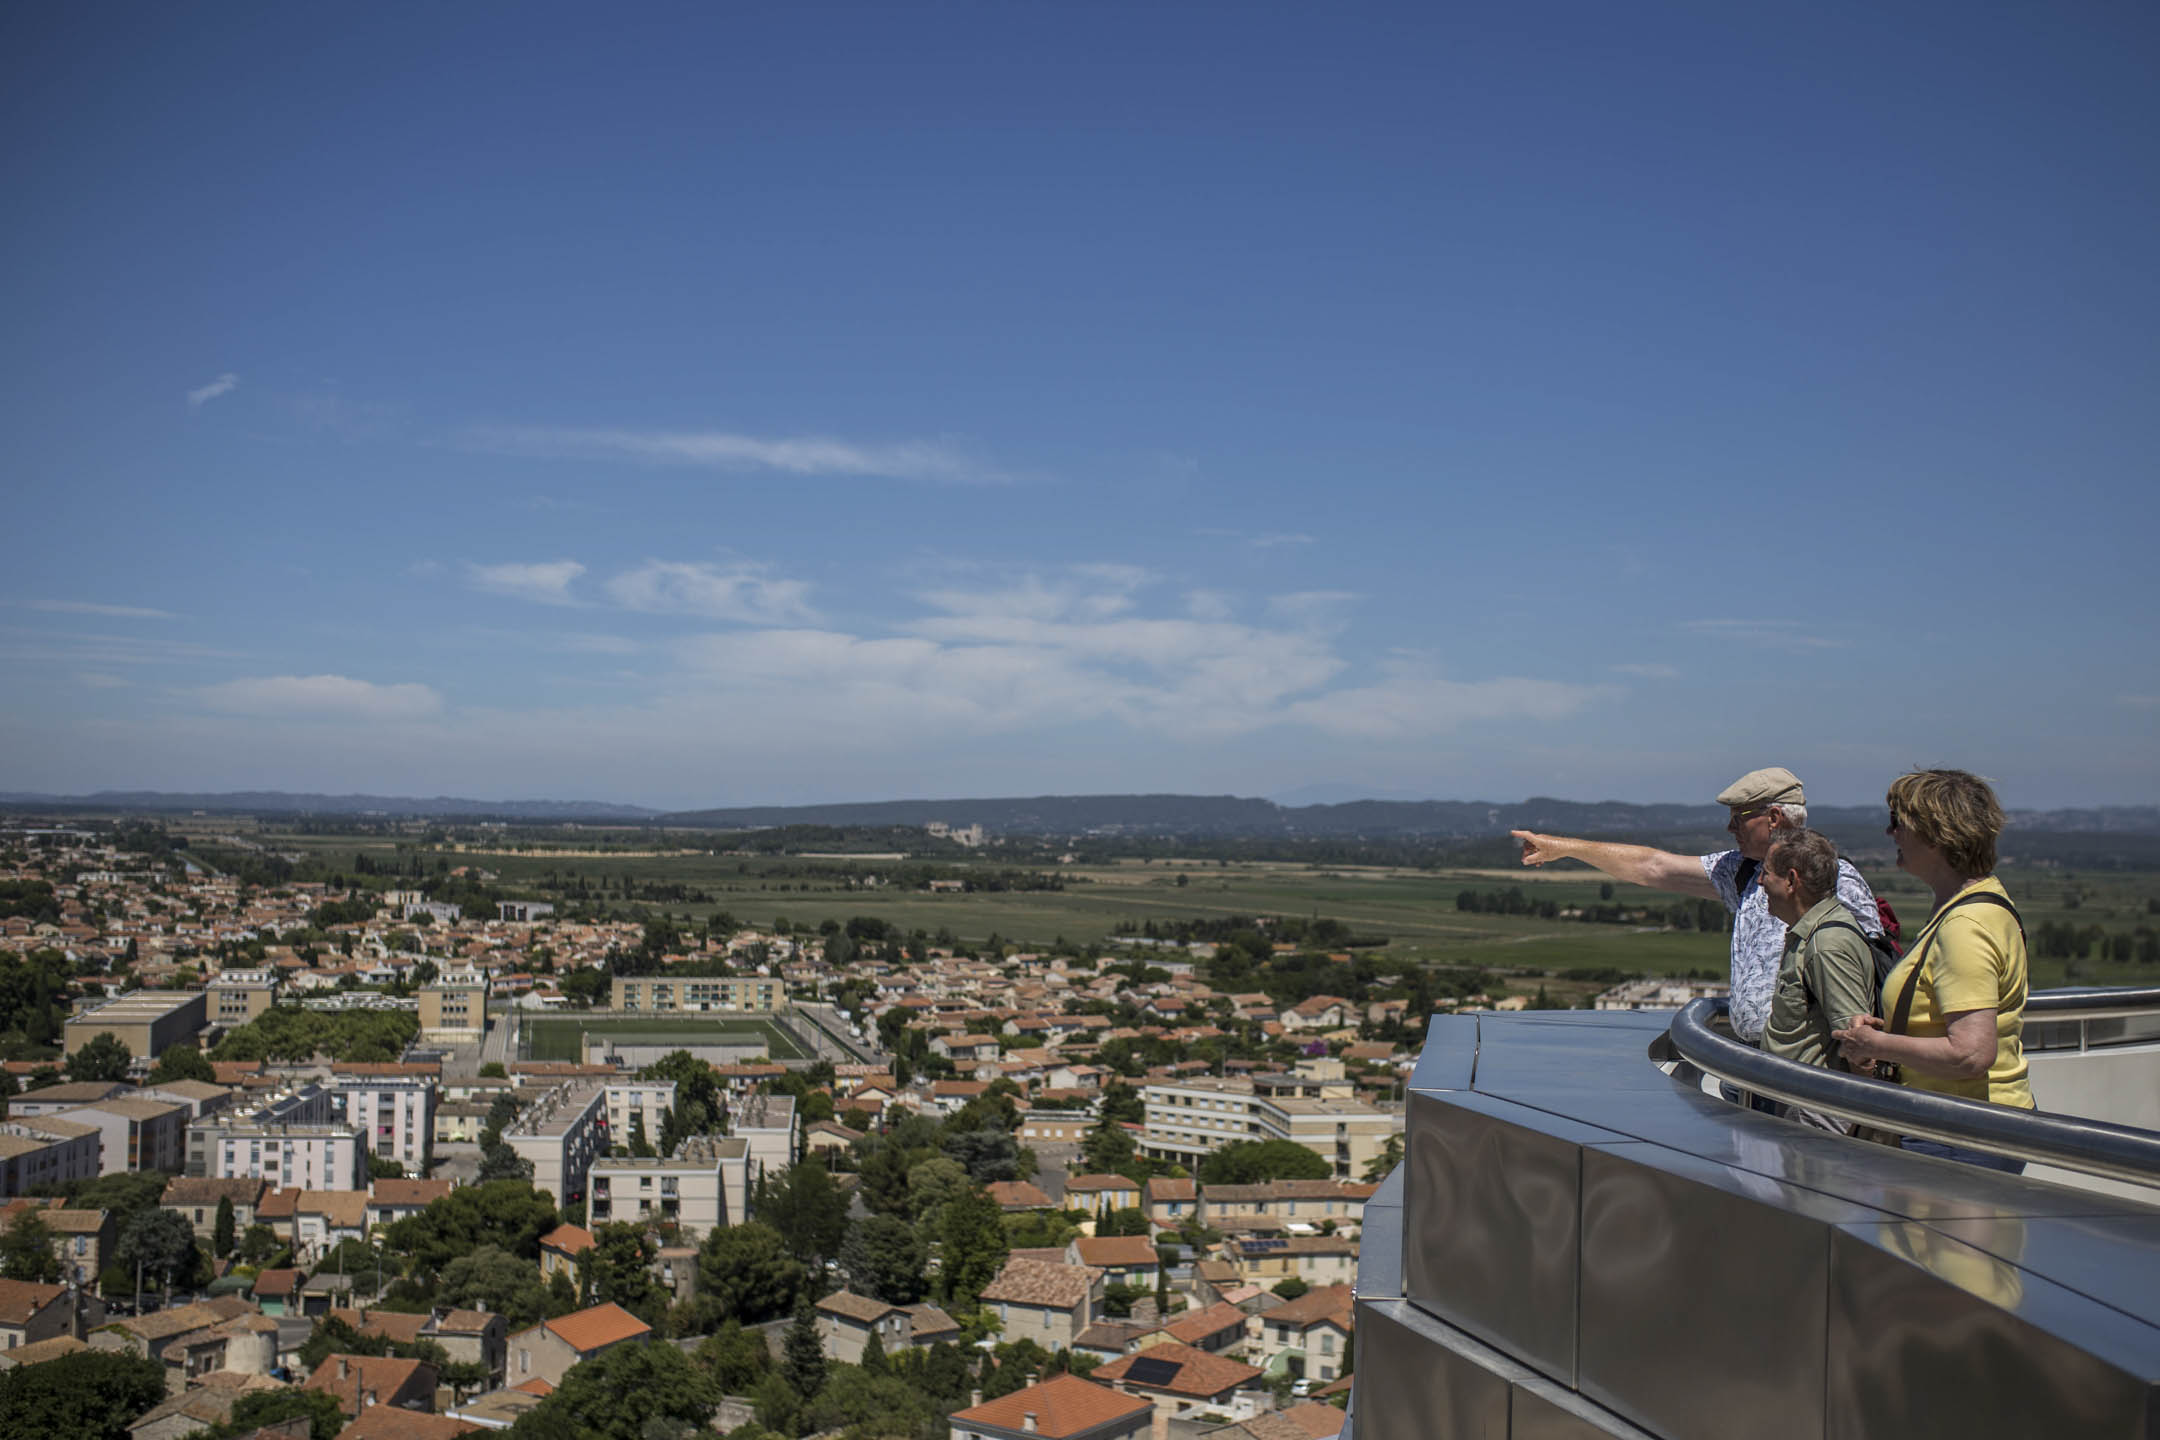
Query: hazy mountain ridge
x,y
1157,814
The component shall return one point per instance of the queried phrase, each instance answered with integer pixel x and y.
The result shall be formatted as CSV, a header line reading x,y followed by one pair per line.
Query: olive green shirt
x,y
1839,967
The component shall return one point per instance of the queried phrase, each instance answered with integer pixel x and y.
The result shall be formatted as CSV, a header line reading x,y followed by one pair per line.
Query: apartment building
x,y
1294,1204
768,1123
59,1099
702,1187
238,996
663,994
560,1135
453,1010
306,1157
146,1021
44,1152
135,1134
1189,1119
395,1112
309,1105
631,1100
1308,1336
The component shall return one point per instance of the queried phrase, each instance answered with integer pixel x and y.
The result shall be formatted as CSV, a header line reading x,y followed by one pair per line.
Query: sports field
x,y
555,1037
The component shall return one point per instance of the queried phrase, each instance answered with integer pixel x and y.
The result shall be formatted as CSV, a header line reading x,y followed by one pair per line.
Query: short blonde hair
x,y
1953,810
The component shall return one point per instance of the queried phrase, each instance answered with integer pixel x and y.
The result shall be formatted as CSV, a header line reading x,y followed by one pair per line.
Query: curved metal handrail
x,y
2092,1147
2094,1002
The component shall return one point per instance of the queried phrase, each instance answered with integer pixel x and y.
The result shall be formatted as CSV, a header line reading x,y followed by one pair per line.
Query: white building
x,y
560,1135
631,1099
291,1157
1188,1119
395,1112
768,1123
703,1187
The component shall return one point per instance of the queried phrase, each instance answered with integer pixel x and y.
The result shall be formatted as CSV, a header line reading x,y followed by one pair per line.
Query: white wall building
x,y
291,1157
395,1112
704,1187
627,1099
560,1135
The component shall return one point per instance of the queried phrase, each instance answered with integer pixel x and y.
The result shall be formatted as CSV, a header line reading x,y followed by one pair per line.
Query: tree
x,y
747,1272
494,1070
988,1153
1383,1164
499,1162
974,1249
259,1244
1108,1148
1129,1221
382,1167
778,1406
932,1186
182,1062
616,1270
90,1395
161,1242
509,1214
221,1230
493,1277
806,1209
737,1358
562,1296
883,1182
873,1354
103,1057
26,1251
802,1359
882,1258
868,1404
626,1392
640,1146
267,1407
1251,1162
1291,1287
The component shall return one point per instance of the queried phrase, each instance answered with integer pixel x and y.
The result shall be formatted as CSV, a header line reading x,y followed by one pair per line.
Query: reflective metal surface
x,y
1586,1245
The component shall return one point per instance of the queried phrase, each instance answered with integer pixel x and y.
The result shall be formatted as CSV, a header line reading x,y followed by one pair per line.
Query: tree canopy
x,y
626,1392
182,1062
90,1395
1250,1162
103,1056
508,1214
747,1273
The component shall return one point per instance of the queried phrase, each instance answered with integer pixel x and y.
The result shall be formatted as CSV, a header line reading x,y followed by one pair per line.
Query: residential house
x,y
1218,1329
277,1292
1063,1407
196,1198
361,1382
1101,1193
549,1349
391,1200
560,1247
1047,1303
846,1321
1184,1382
83,1241
30,1312
471,1337
1299,1204
1316,1259
1123,1259
1014,1196
1308,1336
1170,1203
1320,1012
325,1219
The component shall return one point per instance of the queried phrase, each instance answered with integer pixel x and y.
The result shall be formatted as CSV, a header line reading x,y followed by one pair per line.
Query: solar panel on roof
x,y
1148,1370
1263,1244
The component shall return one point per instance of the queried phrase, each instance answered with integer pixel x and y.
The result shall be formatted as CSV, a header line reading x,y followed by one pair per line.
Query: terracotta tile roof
x,y
1122,1252
929,1320
1018,1195
183,1190
1031,1282
596,1328
38,1351
278,1205
1046,1255
1197,1373
21,1299
1163,1188
1099,1182
407,1192
346,1209
389,1422
277,1282
73,1222
1062,1405
1322,1302
1189,1329
349,1378
393,1324
855,1307
465,1322
535,1386
570,1239
1317,1421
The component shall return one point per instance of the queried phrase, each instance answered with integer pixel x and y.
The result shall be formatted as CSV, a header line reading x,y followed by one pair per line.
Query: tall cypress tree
x,y
221,1234
803,1362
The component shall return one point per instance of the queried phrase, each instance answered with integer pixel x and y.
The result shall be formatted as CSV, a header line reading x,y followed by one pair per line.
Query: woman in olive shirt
x,y
1962,1027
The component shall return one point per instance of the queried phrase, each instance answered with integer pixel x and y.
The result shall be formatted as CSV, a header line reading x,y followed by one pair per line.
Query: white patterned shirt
x,y
1758,937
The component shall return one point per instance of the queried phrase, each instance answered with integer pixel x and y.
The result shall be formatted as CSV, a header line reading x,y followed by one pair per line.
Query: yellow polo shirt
x,y
1973,958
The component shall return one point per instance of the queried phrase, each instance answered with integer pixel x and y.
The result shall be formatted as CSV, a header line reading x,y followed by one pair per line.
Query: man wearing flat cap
x,y
1762,803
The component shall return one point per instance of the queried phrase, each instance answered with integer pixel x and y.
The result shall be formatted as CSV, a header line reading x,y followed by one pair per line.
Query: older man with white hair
x,y
1762,802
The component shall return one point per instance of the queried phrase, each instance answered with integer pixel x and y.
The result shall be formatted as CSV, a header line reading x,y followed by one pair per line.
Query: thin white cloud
x,y
1313,607
202,395
592,644
1765,634
1260,539
325,696
1413,700
926,460
110,612
96,681
547,583
102,652
742,593
1208,605
1646,671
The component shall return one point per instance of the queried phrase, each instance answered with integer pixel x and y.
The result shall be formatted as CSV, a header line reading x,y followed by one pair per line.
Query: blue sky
x,y
710,405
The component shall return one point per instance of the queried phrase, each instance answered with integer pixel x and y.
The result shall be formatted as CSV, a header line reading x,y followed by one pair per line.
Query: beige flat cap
x,y
1774,786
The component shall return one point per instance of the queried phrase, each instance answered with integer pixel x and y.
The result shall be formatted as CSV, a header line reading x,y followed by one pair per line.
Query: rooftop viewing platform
x,y
1584,1240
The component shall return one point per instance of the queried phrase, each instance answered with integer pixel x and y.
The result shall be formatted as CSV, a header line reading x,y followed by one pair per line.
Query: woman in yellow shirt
x,y
1956,1003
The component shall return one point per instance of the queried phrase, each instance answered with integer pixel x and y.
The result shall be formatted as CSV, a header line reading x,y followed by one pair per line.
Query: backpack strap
x,y
1745,875
1807,987
1903,1011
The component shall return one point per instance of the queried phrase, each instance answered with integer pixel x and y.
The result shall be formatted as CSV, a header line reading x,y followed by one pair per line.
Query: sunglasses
x,y
1750,813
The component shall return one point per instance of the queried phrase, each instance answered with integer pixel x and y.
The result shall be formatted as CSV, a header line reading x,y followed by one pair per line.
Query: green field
x,y
1414,909
555,1037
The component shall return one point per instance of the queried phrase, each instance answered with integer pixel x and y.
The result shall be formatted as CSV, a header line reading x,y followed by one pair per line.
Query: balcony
x,y
1583,1241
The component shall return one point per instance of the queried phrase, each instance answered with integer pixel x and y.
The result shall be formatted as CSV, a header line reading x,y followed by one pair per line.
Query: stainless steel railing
x,y
2092,1147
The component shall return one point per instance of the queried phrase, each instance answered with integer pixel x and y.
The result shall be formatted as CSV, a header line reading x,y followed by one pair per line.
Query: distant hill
x,y
1228,816
280,802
